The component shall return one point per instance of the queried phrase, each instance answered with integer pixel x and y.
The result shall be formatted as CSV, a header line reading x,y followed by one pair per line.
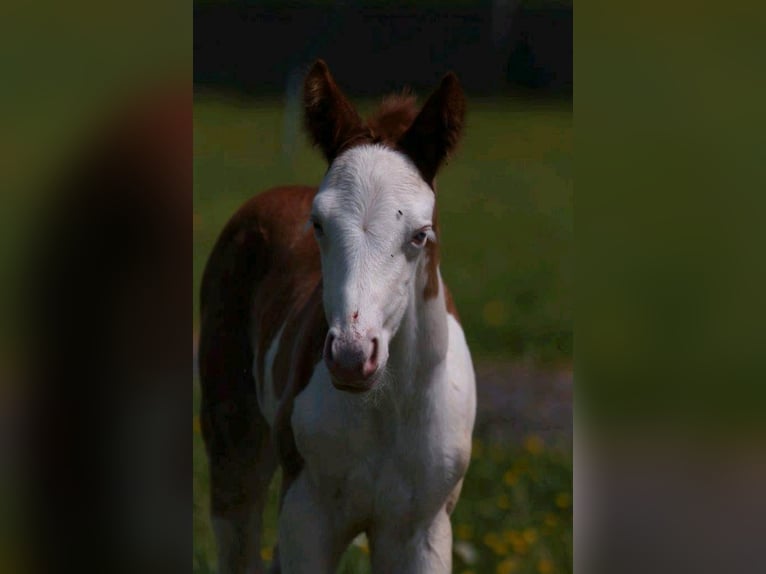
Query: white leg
x,y
308,541
420,550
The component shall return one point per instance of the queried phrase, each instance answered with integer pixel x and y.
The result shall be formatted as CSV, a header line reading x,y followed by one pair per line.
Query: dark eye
x,y
419,238
317,228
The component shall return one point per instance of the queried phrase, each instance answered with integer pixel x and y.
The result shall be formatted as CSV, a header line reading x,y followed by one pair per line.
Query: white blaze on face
x,y
369,215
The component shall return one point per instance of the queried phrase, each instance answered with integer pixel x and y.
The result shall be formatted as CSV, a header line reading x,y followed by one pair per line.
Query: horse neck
x,y
420,345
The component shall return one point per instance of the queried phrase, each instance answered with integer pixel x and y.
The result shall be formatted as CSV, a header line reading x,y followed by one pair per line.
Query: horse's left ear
x,y
331,120
437,129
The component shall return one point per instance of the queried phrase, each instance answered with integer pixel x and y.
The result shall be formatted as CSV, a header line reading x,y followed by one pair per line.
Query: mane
x,y
393,117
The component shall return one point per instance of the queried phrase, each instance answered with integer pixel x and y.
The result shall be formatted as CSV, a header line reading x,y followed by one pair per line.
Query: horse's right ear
x,y
330,119
437,129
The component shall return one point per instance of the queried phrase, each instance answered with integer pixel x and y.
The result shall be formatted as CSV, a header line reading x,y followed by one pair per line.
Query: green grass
x,y
505,209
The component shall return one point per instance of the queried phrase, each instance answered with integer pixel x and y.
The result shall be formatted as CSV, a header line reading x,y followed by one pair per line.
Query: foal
x,y
336,351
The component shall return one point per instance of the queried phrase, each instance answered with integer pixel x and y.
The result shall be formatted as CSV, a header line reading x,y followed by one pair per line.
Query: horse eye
x,y
317,228
419,238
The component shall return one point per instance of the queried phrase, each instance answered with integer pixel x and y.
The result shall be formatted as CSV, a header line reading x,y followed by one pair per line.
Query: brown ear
x,y
331,120
436,131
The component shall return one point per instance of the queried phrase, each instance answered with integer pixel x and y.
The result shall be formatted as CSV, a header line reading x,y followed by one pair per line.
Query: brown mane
x,y
393,117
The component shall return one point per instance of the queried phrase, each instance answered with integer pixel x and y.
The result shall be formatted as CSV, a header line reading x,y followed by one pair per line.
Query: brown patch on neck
x,y
431,289
451,308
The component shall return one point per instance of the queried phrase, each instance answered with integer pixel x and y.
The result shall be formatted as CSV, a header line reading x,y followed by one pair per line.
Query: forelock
x,y
393,117
374,168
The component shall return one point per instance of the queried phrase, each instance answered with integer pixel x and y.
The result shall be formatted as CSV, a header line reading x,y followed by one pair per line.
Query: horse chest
x,y
374,461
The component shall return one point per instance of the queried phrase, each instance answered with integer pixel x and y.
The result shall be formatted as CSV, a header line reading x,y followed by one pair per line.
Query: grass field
x,y
506,216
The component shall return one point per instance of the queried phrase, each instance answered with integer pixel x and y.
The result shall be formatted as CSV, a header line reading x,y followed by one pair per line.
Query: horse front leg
x,y
309,539
424,549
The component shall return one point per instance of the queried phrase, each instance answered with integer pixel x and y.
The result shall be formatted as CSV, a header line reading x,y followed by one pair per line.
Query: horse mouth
x,y
356,387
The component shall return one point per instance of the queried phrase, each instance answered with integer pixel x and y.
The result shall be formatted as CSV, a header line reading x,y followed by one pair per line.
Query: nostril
x,y
374,354
328,347
371,364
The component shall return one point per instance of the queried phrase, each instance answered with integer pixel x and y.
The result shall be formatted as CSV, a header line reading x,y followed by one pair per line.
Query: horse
x,y
331,347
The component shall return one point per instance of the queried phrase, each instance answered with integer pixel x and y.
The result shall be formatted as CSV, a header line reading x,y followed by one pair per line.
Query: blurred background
x,y
505,207
95,232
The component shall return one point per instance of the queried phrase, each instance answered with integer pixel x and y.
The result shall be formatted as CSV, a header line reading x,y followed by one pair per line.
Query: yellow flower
x,y
463,531
563,500
511,536
507,566
510,478
501,549
530,535
490,538
495,313
533,444
362,543
497,545
550,520
503,502
545,566
195,425
519,546
266,553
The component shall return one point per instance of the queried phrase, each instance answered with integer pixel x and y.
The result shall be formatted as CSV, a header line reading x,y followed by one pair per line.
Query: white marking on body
x,y
267,398
396,461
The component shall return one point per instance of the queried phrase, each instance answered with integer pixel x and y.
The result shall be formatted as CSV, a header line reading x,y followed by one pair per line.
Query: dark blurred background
x,y
260,48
